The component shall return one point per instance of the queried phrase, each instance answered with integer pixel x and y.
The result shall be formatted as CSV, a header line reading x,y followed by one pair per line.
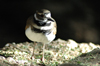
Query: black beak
x,y
50,19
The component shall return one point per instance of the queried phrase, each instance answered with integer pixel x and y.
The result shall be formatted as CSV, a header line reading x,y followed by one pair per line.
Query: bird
x,y
41,27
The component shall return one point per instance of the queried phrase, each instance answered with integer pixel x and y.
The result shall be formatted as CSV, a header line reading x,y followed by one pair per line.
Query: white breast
x,y
39,37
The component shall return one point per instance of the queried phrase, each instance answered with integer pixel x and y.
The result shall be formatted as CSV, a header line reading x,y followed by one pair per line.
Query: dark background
x,y
76,19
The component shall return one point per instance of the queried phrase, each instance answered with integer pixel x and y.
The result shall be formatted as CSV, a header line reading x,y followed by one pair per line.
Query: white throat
x,y
48,15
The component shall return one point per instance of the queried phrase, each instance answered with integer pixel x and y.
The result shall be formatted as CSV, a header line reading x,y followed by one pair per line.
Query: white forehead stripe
x,y
35,17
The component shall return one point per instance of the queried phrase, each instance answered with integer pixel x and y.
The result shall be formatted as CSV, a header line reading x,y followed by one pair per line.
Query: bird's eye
x,y
42,15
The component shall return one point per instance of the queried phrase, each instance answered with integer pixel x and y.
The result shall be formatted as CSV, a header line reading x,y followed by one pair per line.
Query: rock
x,y
10,59
67,64
72,44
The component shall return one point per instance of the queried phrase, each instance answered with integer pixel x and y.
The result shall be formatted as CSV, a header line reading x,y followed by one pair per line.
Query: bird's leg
x,y
32,56
42,59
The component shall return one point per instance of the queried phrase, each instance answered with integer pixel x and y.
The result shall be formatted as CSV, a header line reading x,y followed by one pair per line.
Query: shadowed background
x,y
76,19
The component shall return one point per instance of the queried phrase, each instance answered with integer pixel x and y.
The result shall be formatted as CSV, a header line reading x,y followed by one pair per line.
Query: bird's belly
x,y
39,37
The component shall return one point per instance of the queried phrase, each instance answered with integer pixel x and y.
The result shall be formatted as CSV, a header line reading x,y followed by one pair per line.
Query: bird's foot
x,y
32,58
43,59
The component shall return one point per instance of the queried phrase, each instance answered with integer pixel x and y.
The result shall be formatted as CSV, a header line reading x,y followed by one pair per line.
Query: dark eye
x,y
42,15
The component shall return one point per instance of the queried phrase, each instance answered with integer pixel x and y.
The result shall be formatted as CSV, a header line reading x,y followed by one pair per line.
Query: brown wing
x,y
54,28
29,22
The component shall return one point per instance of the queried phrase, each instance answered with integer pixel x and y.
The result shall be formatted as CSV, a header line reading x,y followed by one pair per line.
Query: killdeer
x,y
41,27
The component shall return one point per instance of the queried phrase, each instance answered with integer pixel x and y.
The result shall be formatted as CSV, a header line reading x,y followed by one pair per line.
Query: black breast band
x,y
39,23
41,31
